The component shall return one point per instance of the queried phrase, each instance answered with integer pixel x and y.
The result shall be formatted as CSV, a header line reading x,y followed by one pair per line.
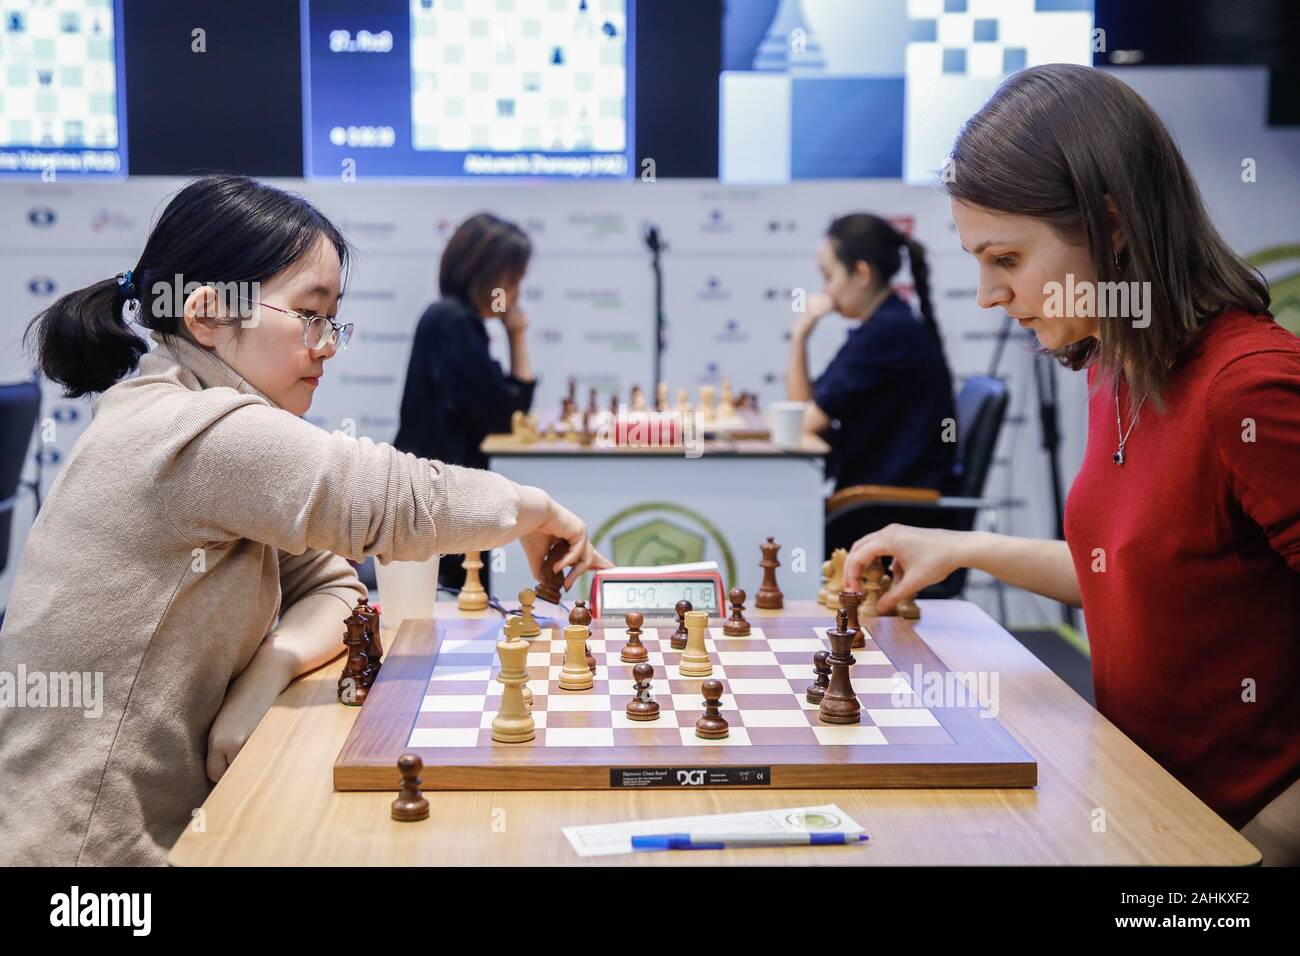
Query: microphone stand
x,y
656,247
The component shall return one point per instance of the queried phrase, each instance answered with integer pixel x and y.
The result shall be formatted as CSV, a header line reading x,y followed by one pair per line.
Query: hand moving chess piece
x,y
769,596
530,627
711,725
513,723
736,625
821,678
552,581
643,706
678,639
839,703
695,660
410,804
634,652
473,597
352,687
850,601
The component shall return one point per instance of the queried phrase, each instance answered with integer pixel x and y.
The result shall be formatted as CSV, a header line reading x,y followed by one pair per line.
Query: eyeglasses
x,y
318,331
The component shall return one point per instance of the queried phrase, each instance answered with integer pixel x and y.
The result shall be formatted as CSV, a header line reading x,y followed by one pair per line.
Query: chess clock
x,y
655,591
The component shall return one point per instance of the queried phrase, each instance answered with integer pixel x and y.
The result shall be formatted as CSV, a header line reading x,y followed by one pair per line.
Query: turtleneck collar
x,y
210,370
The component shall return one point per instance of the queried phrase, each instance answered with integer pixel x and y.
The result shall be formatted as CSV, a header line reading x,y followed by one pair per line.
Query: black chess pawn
x,y
822,680
642,706
634,652
678,641
410,804
711,724
736,625
839,703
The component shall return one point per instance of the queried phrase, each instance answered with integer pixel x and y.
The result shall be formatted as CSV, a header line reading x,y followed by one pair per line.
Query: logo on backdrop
x,y
41,216
41,286
662,532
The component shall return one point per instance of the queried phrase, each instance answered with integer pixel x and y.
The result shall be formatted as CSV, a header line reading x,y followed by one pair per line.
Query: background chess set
x,y
764,685
539,80
60,81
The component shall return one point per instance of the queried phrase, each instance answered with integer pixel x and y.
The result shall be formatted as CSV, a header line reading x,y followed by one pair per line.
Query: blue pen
x,y
721,841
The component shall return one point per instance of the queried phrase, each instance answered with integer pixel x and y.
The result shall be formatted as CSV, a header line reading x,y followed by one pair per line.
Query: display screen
x,y
468,88
61,101
657,596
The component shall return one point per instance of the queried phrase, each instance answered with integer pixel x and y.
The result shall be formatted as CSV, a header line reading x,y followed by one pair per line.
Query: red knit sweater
x,y
1188,557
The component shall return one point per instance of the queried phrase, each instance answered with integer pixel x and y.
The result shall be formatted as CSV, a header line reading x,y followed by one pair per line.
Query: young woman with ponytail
x,y
189,560
883,401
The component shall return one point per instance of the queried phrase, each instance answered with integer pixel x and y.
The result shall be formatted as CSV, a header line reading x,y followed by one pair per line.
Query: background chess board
x,y
483,82
436,696
59,76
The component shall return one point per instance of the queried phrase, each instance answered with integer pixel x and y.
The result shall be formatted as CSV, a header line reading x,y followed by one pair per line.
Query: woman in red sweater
x,y
1183,525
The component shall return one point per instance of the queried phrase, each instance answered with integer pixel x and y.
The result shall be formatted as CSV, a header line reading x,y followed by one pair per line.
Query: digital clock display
x,y
657,597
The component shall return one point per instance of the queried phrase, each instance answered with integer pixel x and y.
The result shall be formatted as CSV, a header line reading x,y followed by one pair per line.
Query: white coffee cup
x,y
407,589
787,423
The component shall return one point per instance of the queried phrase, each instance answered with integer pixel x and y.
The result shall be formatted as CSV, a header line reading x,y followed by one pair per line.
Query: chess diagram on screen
x,y
543,76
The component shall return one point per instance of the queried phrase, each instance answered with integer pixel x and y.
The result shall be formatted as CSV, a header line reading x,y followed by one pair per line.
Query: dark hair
x,y
862,237
1053,143
218,229
484,251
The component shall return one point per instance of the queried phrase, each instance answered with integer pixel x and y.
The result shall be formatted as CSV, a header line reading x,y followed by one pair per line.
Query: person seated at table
x,y
456,393
885,403
189,561
1182,528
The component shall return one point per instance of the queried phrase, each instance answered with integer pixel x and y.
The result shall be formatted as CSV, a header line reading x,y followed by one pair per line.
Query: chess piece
x,y
581,616
683,402
514,634
551,582
873,586
374,650
661,397
839,704
828,569
410,804
352,687
576,675
908,609
706,402
529,628
678,639
513,723
769,596
643,706
736,625
638,399
695,660
850,601
726,407
592,408
711,725
821,678
472,597
634,652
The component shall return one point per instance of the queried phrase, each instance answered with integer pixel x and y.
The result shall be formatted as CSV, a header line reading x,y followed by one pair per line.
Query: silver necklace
x,y
1118,457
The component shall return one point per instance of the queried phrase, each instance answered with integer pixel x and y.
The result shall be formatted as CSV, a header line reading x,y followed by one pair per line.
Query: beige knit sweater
x,y
190,512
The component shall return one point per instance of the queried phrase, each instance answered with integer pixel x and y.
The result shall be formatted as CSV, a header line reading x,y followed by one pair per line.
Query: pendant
x,y
1118,457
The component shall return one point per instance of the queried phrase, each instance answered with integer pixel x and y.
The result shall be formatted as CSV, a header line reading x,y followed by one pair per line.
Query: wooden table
x,y
276,804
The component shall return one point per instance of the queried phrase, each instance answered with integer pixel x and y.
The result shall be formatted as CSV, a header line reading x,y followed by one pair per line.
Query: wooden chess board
x,y
437,693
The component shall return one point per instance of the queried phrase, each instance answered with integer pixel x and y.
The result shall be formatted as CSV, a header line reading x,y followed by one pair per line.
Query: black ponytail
x,y
218,229
921,283
862,237
82,341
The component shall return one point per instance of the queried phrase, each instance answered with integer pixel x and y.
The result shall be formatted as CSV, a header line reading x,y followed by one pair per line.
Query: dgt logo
x,y
690,778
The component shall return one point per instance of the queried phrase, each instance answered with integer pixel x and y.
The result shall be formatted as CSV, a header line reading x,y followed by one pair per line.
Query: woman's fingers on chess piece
x,y
922,556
